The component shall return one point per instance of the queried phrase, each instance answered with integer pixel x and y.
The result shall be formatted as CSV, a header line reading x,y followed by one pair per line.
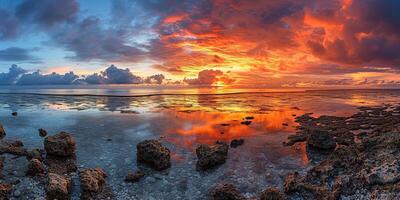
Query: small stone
x,y
246,122
92,180
211,156
5,190
237,142
151,179
17,193
42,132
134,176
35,167
14,113
2,132
58,187
225,191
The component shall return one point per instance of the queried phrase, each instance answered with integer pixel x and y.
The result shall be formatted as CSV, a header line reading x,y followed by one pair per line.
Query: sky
x,y
258,43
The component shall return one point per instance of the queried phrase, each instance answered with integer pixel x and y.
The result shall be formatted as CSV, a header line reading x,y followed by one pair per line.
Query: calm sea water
x,y
181,121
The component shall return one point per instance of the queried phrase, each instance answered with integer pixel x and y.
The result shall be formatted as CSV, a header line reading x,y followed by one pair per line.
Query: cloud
x,y
114,75
36,78
155,79
8,25
209,77
47,13
16,54
10,77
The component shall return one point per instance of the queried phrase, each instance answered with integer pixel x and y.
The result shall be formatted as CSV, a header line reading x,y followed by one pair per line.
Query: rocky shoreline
x,y
355,157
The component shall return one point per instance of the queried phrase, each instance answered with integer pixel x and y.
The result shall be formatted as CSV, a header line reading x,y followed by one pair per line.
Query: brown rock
x,y
272,194
2,132
62,144
237,142
92,180
13,147
291,182
5,190
134,176
60,165
225,191
211,156
42,132
320,139
58,187
35,167
154,154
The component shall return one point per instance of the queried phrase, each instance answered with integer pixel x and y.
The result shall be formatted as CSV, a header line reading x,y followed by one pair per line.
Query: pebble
x,y
150,179
17,193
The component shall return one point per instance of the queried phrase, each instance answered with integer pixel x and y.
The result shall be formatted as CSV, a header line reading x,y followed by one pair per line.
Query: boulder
x,y
62,144
320,139
42,132
211,156
272,194
35,167
58,187
154,154
291,182
60,165
92,180
134,176
5,190
2,132
13,147
225,191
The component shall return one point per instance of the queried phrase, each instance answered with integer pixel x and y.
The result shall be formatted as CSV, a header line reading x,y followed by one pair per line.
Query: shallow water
x,y
182,122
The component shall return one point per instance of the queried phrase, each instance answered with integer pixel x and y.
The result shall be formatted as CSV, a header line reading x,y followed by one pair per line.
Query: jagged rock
x,y
237,142
62,144
225,191
293,139
272,194
14,113
13,147
35,167
42,132
320,139
291,182
154,154
5,190
2,132
92,181
211,156
134,176
58,187
384,174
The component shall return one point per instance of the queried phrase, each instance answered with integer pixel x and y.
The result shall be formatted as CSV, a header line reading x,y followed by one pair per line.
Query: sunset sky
x,y
257,43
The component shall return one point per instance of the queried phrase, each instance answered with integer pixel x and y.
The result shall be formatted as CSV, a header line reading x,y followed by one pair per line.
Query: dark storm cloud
x,y
8,25
47,13
155,79
36,78
10,77
16,54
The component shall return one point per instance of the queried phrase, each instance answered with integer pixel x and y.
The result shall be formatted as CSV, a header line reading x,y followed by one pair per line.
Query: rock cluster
x,y
153,154
60,150
211,156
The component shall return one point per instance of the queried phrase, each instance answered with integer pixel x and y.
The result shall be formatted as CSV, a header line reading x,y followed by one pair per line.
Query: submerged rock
x,y
5,190
211,156
92,180
272,194
320,139
58,187
35,167
42,132
134,176
246,122
61,144
13,147
237,142
14,113
154,154
2,132
225,191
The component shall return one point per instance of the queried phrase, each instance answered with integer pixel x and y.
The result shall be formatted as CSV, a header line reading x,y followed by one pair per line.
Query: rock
x,y
246,122
285,124
386,173
237,142
17,193
249,118
5,190
154,154
211,156
225,191
2,132
14,113
291,182
293,139
42,132
37,154
134,176
62,144
92,180
320,139
35,167
58,187
13,147
272,194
